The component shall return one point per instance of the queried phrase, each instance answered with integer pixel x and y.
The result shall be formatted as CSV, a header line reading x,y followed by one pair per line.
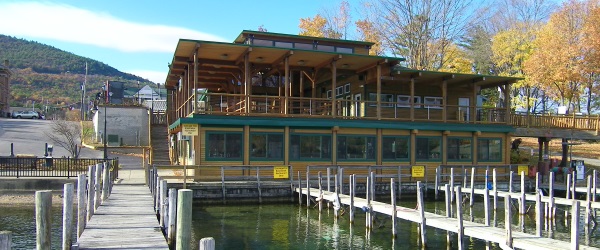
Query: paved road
x,y
29,137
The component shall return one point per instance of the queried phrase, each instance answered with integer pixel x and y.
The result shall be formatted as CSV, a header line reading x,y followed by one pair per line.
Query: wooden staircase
x,y
160,145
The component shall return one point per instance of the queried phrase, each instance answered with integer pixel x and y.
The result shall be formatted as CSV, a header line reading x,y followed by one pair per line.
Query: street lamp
x,y
106,92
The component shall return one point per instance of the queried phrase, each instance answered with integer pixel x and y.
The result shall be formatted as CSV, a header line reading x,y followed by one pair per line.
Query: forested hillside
x,y
45,73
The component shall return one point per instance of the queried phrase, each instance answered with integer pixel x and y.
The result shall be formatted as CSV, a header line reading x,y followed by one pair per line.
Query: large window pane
x,y
396,148
459,149
356,147
310,147
429,148
266,146
489,149
224,146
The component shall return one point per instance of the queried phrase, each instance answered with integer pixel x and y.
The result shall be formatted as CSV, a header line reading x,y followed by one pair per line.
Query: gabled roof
x,y
241,38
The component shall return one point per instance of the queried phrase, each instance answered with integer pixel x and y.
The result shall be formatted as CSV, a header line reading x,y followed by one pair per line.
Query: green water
x,y
290,226
21,221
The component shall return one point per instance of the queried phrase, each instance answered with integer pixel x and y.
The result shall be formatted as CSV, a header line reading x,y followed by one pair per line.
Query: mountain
x,y
45,73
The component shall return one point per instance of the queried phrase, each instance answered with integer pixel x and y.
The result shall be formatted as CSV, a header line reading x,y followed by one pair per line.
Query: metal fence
x,y
51,167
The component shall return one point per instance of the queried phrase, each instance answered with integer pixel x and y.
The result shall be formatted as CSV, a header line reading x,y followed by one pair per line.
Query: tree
x,y
558,60
422,31
313,26
327,24
367,31
67,135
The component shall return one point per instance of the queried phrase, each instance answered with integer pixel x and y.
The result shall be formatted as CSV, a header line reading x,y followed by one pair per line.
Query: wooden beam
x,y
370,66
327,62
240,58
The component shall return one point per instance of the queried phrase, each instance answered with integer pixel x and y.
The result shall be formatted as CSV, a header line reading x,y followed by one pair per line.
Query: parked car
x,y
26,114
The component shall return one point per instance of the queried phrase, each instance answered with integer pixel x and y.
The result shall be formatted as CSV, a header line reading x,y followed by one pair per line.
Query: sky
x,y
140,36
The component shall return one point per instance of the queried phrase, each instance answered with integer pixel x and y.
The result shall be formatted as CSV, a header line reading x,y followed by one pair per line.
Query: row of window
x,y
270,146
298,45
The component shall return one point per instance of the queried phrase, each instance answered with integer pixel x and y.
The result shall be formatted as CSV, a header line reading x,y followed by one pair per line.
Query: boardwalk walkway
x,y
471,229
125,221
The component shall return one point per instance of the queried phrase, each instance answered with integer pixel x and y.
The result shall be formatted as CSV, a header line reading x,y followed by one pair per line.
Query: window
x,y
489,149
328,94
339,91
356,147
259,42
305,46
344,50
404,101
432,102
265,146
396,148
326,48
460,149
429,148
310,147
284,45
347,88
387,100
224,146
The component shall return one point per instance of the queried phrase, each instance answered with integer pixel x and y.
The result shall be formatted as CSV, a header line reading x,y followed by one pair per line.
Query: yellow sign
x,y
189,129
280,172
418,171
523,168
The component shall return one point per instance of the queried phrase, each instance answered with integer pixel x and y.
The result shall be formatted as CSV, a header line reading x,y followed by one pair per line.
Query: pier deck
x,y
471,229
125,221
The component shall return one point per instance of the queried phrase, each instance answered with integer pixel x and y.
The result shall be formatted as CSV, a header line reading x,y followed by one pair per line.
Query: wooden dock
x,y
471,229
125,221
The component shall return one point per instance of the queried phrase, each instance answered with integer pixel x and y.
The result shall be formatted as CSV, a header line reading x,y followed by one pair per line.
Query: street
x,y
29,137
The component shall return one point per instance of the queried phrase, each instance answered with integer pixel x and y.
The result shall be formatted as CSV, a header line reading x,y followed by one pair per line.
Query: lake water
x,y
290,226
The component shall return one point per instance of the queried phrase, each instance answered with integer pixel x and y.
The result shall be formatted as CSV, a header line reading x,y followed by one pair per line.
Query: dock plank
x,y
471,229
125,221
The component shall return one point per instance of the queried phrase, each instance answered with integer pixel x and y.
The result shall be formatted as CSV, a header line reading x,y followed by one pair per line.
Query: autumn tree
x,y
422,31
591,51
368,31
67,135
327,23
558,60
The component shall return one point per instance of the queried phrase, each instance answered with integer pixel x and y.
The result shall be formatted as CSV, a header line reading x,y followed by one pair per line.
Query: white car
x,y
25,115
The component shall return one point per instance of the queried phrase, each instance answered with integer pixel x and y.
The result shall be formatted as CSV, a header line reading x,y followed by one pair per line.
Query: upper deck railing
x,y
235,104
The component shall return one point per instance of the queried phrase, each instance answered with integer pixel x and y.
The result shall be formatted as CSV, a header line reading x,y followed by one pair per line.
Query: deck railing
x,y
266,105
50,167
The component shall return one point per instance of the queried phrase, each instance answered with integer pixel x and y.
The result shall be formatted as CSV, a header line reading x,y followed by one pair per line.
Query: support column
x,y
247,84
379,160
476,135
473,107
246,146
379,92
195,79
333,85
565,151
507,102
334,145
412,100
413,146
286,143
444,100
286,62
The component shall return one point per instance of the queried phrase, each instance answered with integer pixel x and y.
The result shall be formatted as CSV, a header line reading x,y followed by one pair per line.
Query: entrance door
x,y
463,109
357,107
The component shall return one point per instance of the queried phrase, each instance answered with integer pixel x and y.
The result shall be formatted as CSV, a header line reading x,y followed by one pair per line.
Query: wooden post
x,y
352,193
80,204
163,204
172,216
320,198
90,191
588,201
594,186
551,195
573,185
495,186
184,219
472,197
448,211
423,222
465,174
6,240
393,202
459,216
575,225
328,179
368,197
538,208
207,243
97,189
373,186
510,182
507,220
568,193
307,189
451,185
437,179
157,195
106,181
67,216
523,208
299,189
486,205
43,219
341,180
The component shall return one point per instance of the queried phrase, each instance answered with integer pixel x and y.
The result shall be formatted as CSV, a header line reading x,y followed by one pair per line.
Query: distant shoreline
x,y
27,198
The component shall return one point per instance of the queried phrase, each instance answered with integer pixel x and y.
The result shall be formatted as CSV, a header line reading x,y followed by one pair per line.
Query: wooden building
x,y
278,99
